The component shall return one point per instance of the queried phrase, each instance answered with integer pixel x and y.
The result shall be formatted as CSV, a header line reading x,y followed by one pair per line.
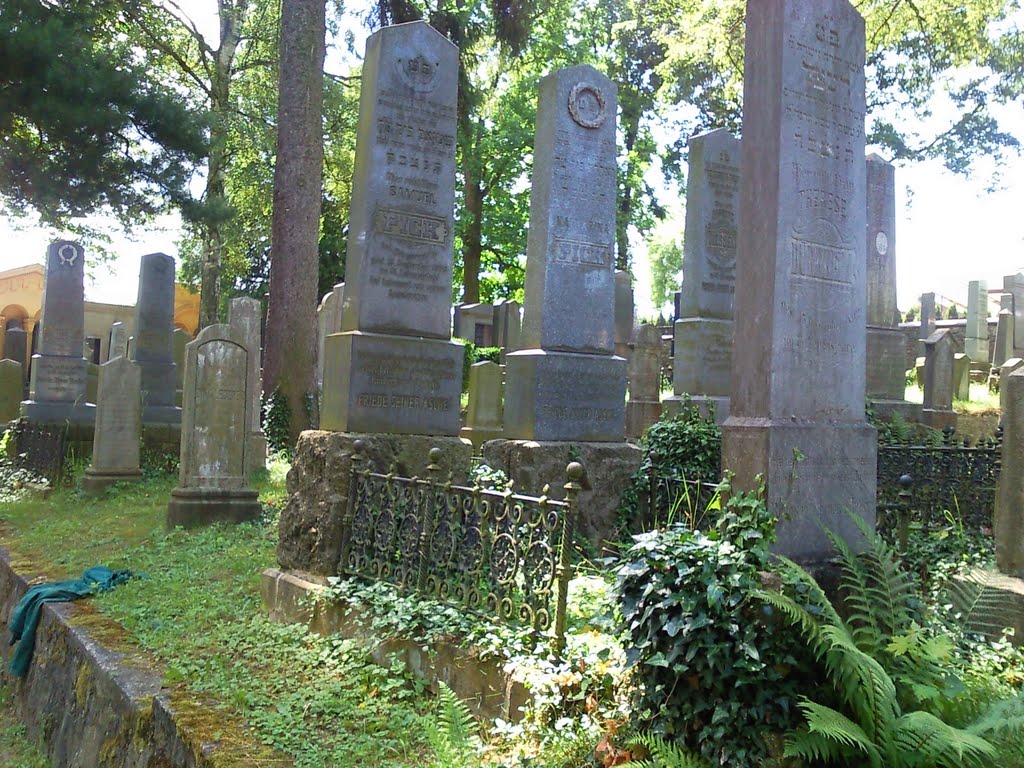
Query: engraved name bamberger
x,y
582,253
410,226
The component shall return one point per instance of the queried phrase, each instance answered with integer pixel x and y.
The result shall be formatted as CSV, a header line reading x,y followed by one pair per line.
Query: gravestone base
x,y
938,419
195,507
817,475
565,396
884,409
50,412
480,435
379,383
94,481
161,414
610,467
310,530
640,414
709,406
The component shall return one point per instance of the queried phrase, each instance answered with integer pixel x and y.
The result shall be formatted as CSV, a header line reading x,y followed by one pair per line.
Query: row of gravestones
x,y
800,281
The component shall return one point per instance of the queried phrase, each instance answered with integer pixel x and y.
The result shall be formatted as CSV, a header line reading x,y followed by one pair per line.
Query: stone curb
x,y
92,706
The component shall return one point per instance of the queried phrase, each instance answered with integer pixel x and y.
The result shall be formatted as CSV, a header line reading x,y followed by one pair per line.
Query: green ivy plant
x,y
276,420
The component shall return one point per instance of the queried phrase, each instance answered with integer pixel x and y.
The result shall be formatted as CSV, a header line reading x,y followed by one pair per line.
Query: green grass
x,y
982,400
16,750
198,609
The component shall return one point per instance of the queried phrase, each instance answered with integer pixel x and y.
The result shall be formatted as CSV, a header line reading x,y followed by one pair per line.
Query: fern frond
x,y
979,602
664,754
1003,719
452,735
794,613
816,748
864,625
932,742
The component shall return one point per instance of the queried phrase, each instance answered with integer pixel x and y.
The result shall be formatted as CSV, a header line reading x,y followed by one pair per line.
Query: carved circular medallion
x,y
67,255
419,72
586,105
881,244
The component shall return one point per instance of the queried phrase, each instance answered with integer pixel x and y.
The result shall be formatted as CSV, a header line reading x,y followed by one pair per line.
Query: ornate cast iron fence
x,y
499,554
39,448
957,477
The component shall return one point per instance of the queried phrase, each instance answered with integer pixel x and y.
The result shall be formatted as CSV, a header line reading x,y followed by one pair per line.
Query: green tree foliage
x,y
85,125
665,254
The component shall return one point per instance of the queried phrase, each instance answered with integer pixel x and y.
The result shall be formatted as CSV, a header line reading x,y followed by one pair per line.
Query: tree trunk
x,y
630,130
472,237
288,361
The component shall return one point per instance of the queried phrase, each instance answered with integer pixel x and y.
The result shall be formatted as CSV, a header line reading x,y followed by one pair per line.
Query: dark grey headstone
x,y
565,383
938,371
396,321
927,316
152,348
12,384
508,323
57,390
797,405
16,347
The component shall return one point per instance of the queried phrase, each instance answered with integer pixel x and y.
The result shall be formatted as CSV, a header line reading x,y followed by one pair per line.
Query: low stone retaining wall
x,y
94,701
482,683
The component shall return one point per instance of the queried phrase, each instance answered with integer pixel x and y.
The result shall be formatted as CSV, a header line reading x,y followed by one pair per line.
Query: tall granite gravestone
x,y
1008,520
152,348
484,412
797,407
215,426
927,327
115,446
938,410
644,406
976,336
624,313
245,316
394,368
702,364
179,341
328,321
1004,336
16,348
885,358
1014,285
565,383
58,376
961,376
11,388
118,341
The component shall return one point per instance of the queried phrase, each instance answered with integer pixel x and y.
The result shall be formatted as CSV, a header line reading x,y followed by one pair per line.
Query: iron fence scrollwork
x,y
497,553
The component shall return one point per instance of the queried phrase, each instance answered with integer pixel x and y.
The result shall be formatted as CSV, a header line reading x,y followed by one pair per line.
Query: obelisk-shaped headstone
x,y
702,366
393,368
797,409
885,359
1004,332
118,341
58,376
115,446
976,336
565,383
152,349
245,315
927,317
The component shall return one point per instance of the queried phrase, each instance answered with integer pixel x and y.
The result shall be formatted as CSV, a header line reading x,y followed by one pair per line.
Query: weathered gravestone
x,y
797,406
976,336
702,364
484,412
115,447
215,425
1005,370
938,410
508,322
16,348
1004,331
328,321
644,406
245,315
92,382
12,385
624,313
393,368
927,327
565,383
179,342
475,323
118,341
961,376
1014,285
58,376
1008,520
885,357
152,348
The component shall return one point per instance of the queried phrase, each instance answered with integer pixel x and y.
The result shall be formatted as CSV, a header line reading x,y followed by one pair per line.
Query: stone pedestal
x,y
311,524
565,396
394,384
533,465
194,507
95,481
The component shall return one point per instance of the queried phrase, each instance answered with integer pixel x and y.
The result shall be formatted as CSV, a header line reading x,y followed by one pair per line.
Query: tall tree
x,y
85,126
289,360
